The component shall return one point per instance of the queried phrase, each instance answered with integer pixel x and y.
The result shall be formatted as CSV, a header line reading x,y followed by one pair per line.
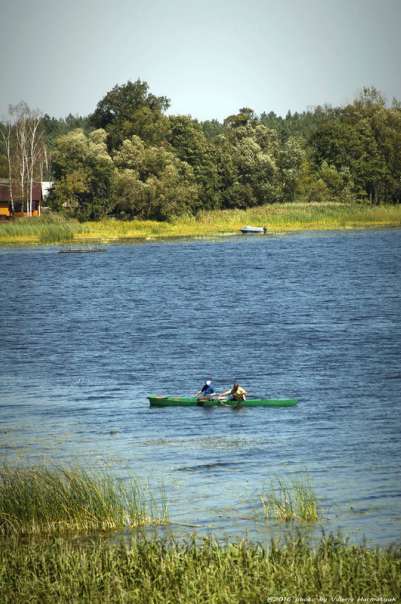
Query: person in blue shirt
x,y
206,392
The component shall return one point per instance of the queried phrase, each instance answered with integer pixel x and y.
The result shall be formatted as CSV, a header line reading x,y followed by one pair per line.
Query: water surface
x,y
85,338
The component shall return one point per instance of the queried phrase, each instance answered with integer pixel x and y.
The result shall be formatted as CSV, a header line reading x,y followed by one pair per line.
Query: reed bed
x,y
290,500
169,572
48,229
278,218
50,500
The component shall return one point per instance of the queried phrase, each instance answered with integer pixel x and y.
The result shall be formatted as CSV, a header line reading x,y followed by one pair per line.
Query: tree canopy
x,y
130,159
131,109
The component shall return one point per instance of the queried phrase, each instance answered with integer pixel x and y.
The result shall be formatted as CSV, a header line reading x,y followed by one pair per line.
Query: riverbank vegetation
x,y
290,500
51,500
160,571
130,160
58,543
278,218
47,229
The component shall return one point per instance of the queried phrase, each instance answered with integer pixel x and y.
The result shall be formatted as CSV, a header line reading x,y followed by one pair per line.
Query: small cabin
x,y
6,210
5,204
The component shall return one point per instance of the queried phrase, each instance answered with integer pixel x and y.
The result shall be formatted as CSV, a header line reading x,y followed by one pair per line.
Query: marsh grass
x,y
50,500
46,229
290,500
299,216
166,571
278,218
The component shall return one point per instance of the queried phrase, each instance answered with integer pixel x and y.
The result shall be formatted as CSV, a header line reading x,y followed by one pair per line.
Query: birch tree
x,y
6,138
26,152
34,153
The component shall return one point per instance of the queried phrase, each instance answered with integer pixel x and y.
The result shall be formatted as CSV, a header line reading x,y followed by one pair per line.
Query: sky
x,y
210,58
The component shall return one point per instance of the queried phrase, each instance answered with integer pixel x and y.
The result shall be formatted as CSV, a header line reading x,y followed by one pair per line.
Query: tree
x,y
138,162
55,127
130,109
246,116
255,166
290,159
132,196
310,186
3,162
152,182
24,145
365,139
174,191
190,144
6,132
212,128
84,172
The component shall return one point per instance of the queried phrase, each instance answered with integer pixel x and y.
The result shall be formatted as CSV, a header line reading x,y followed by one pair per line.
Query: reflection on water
x,y
85,338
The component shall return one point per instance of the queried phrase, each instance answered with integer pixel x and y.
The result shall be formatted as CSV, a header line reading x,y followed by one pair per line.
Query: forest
x,y
131,159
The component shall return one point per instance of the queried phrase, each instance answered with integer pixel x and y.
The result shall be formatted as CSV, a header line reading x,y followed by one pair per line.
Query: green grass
x,y
170,572
47,229
278,218
51,500
52,549
290,500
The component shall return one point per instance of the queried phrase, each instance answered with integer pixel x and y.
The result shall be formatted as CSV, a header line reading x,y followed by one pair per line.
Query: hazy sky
x,y
209,57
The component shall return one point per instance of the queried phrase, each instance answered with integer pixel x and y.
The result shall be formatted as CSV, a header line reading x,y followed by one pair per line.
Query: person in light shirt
x,y
236,393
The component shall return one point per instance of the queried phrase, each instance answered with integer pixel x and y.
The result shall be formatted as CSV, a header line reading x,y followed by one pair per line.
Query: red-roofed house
x,y
6,206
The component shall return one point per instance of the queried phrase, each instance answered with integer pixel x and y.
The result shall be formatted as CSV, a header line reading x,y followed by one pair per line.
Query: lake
x,y
313,316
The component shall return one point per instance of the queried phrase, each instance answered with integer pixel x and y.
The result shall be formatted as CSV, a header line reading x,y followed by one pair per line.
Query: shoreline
x,y
94,240
279,219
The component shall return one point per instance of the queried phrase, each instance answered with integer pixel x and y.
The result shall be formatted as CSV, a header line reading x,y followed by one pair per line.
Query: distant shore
x,y
276,218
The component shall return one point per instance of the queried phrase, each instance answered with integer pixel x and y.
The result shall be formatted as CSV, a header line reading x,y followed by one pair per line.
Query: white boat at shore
x,y
250,230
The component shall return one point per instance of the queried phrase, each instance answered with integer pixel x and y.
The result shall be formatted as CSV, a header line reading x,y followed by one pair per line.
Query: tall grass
x,y
54,500
159,572
298,216
290,500
278,218
47,229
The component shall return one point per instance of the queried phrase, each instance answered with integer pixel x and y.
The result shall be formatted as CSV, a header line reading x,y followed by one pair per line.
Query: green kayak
x,y
182,401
